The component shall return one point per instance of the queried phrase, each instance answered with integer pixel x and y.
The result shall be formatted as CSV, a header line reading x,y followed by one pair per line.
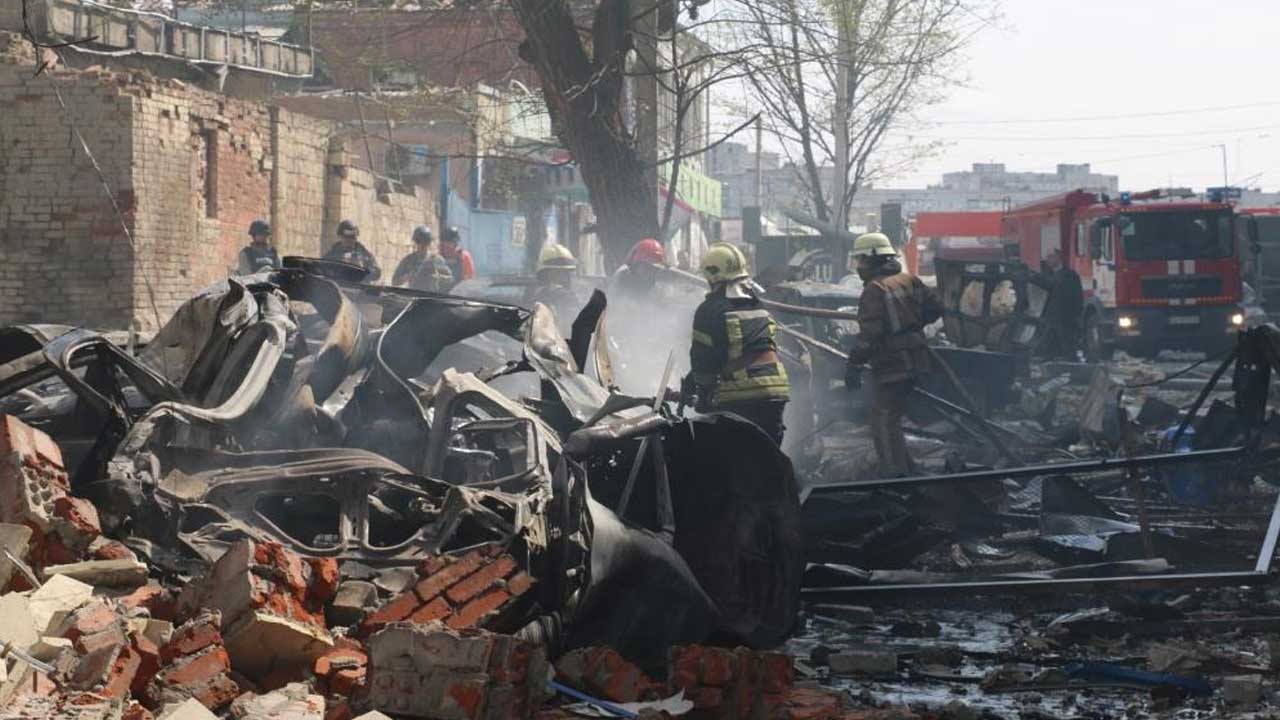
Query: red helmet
x,y
649,251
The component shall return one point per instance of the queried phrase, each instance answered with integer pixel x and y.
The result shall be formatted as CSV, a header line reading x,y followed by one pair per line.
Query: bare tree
x,y
833,78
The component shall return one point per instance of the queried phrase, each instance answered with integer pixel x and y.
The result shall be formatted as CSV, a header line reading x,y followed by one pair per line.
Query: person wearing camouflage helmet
x,y
423,269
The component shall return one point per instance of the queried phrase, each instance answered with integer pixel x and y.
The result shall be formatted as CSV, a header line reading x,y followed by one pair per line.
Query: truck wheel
x,y
1096,347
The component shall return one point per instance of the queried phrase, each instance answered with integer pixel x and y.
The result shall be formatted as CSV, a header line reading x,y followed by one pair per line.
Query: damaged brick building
x,y
190,167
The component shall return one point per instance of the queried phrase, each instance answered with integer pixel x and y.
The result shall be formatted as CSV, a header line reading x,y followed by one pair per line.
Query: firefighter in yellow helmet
x,y
892,313
554,286
734,363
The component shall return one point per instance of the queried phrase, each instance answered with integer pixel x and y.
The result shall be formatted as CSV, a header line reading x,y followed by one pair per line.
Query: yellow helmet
x,y
723,262
873,244
555,256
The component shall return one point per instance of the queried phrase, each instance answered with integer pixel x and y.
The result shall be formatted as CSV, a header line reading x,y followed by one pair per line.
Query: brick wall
x,y
191,168
63,252
385,214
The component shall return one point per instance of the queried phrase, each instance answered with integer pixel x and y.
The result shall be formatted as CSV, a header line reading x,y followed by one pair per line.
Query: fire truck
x,y
1160,270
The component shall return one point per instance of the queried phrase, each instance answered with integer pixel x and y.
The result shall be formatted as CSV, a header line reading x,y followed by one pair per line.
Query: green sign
x,y
694,189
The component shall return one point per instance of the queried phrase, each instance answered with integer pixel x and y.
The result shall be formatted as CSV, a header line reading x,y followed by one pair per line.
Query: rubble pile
x,y
306,497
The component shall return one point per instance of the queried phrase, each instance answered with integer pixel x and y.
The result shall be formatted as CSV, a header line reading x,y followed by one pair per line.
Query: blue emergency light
x,y
1126,198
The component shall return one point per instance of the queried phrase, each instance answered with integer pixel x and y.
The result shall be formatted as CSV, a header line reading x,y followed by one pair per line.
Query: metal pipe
x,y
1056,585
807,311
1030,471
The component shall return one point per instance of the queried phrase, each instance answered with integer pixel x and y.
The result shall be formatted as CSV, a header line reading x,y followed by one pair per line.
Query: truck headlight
x,y
1237,319
1126,323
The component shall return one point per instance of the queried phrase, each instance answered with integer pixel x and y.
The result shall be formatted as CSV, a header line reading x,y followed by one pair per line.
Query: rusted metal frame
x,y
1030,471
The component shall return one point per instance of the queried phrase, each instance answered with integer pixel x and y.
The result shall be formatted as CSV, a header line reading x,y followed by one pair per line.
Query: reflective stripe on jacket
x,y
735,351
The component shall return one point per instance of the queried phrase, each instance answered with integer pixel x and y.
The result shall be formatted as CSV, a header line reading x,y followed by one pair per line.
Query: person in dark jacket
x,y
1063,312
893,311
461,264
423,269
734,363
258,255
349,250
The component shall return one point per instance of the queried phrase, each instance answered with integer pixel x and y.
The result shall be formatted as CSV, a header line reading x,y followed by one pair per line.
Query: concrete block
x,y
59,596
16,539
189,709
126,573
353,598
17,624
864,662
292,702
1242,691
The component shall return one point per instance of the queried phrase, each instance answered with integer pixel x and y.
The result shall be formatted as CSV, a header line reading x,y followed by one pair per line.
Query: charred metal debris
x,y
302,485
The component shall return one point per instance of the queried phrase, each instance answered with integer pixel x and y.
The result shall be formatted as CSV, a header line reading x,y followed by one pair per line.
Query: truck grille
x,y
1181,286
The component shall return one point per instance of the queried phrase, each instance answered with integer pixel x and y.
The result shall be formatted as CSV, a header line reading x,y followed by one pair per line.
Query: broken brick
x,y
427,671
76,521
475,612
156,600
92,618
480,580
266,594
395,610
195,665
32,475
604,673
436,583
437,609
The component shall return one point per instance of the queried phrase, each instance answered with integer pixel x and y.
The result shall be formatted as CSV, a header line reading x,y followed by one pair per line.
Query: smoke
x,y
643,332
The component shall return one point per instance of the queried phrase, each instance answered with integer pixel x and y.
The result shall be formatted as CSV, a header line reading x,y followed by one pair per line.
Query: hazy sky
x,y
1052,63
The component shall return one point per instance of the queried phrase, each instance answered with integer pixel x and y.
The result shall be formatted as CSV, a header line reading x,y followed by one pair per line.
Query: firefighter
x,y
733,360
638,278
1064,310
554,286
459,259
423,269
893,311
259,254
350,250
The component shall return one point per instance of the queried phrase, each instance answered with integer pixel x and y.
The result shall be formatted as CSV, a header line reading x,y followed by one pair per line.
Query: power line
x,y
1096,138
1124,116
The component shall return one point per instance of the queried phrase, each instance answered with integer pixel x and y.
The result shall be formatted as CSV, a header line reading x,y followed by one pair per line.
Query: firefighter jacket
x,y
734,355
892,313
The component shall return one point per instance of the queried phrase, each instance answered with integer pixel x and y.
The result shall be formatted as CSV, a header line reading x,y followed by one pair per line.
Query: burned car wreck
x,y
308,410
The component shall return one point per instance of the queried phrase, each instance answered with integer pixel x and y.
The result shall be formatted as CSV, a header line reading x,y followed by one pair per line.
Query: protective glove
x,y
688,388
852,377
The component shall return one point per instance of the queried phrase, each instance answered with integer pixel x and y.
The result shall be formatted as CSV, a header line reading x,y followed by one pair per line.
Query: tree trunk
x,y
583,98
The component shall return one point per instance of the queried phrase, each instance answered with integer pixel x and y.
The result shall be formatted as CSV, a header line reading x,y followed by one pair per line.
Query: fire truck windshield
x,y
1176,235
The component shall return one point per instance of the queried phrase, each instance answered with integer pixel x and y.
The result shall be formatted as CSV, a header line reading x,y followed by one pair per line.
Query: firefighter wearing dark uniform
x,y
258,255
892,313
734,363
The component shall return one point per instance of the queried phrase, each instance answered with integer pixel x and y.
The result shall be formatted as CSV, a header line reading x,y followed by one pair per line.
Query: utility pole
x,y
841,118
1223,147
759,172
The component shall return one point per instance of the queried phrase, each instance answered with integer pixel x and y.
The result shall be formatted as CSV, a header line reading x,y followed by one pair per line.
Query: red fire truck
x,y
1159,272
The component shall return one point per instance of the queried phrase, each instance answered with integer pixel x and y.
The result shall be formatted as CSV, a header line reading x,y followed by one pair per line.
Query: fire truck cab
x,y
1158,271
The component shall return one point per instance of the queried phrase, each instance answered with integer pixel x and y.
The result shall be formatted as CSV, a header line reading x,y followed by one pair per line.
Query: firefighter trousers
x,y
888,405
766,414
